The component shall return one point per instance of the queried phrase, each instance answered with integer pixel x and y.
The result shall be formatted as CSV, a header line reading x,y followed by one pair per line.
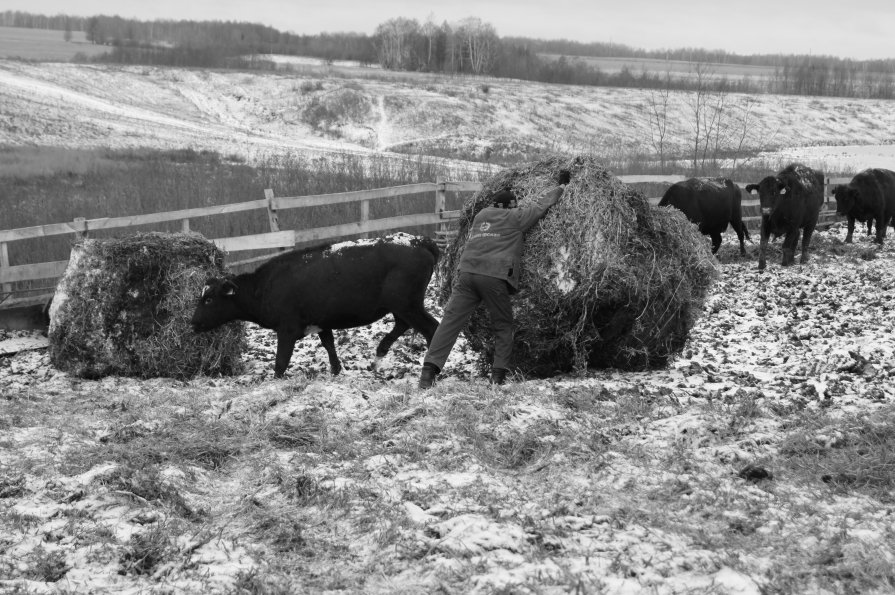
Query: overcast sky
x,y
847,28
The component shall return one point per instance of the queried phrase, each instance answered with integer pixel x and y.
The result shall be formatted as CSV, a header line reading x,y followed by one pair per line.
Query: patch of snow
x,y
471,534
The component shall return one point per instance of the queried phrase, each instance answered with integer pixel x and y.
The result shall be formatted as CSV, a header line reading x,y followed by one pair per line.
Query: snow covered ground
x,y
678,480
705,477
346,108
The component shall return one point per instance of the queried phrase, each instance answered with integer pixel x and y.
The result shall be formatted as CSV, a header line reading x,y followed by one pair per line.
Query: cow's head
x,y
846,197
216,305
772,191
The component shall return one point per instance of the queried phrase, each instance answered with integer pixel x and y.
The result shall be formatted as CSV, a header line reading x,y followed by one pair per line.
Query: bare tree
x,y
430,32
707,108
715,126
658,115
479,44
749,130
395,42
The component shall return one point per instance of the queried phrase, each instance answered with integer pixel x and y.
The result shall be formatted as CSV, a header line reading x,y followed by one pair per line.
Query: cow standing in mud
x,y
870,197
712,204
330,287
790,203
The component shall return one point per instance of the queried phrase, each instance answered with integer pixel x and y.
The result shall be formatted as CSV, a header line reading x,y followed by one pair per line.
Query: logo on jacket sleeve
x,y
485,226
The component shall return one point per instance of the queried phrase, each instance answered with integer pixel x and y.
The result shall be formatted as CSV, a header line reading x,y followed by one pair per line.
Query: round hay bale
x,y
608,280
123,307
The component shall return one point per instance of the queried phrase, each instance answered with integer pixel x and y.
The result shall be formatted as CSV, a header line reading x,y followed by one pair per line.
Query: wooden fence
x,y
438,217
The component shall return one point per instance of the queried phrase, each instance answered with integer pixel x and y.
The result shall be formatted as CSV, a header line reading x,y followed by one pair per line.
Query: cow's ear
x,y
228,287
750,188
781,187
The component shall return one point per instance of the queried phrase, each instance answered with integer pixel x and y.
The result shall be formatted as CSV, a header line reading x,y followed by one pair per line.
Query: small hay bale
x,y
608,280
123,307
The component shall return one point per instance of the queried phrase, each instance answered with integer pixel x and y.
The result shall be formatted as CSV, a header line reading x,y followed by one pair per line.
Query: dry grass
x,y
854,452
268,465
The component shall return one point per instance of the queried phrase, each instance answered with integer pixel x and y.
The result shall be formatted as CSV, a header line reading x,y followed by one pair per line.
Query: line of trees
x,y
698,55
470,46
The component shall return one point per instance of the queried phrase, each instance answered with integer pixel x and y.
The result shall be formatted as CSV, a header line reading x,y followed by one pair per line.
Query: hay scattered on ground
x,y
124,306
608,280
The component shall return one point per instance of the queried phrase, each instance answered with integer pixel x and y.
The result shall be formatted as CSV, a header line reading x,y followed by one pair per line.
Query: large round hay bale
x,y
608,280
123,307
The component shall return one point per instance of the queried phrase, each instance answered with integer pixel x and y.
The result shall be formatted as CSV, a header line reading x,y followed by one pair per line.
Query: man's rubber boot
x,y
498,376
427,375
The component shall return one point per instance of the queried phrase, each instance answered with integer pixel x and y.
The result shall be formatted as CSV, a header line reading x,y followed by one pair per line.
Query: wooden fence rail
x,y
438,217
275,239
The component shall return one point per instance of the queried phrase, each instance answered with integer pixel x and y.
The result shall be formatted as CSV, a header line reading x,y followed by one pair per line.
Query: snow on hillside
x,y
363,110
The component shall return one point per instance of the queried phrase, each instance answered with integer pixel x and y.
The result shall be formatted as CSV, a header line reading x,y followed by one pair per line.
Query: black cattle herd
x,y
790,203
356,283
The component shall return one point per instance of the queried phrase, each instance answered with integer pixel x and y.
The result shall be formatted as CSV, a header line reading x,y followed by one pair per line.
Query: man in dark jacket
x,y
489,272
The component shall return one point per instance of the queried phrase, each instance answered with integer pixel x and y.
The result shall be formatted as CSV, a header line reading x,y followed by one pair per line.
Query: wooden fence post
x,y
272,216
4,263
81,231
185,226
440,203
364,215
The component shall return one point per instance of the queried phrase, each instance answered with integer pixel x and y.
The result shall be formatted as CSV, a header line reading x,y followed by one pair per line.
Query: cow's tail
x,y
430,245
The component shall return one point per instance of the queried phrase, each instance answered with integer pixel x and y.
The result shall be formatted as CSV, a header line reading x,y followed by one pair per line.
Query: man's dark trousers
x,y
469,290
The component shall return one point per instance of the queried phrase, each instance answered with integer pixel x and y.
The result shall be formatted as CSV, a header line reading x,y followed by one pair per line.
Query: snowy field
x,y
362,110
756,462
650,482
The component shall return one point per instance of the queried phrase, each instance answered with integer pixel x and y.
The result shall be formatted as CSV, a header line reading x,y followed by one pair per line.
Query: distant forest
x,y
470,46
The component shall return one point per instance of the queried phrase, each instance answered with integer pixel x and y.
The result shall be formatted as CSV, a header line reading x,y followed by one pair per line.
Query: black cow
x,y
328,287
711,203
790,201
870,196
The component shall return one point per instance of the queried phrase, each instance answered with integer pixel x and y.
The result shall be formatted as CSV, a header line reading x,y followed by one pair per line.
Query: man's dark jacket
x,y
494,246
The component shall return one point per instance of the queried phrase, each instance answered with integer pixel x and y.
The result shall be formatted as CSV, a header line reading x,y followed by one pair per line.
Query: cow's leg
x,y
423,322
716,241
285,345
329,343
740,230
789,246
851,229
762,247
385,344
806,242
880,226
